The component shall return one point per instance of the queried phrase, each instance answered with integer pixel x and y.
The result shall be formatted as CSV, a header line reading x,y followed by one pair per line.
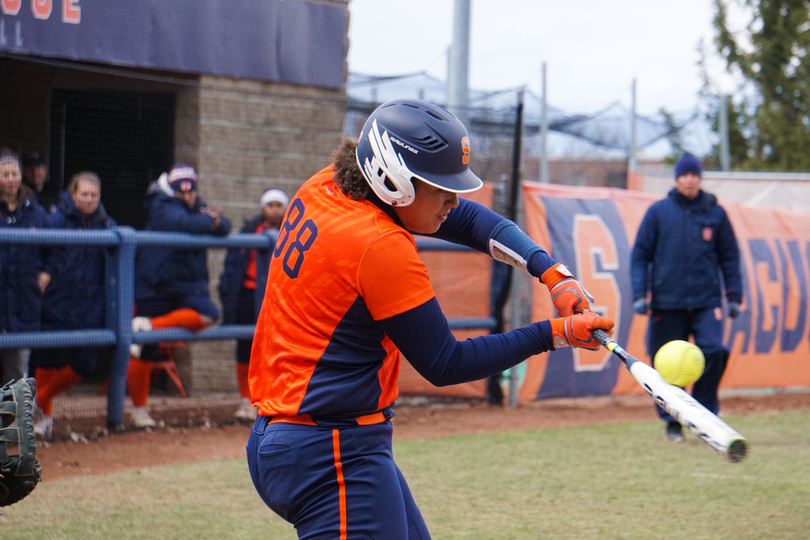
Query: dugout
x,y
252,94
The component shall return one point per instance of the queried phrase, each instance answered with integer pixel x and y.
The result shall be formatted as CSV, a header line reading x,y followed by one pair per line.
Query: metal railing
x,y
122,243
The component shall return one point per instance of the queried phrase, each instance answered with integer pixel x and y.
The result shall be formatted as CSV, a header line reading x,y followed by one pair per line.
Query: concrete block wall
x,y
254,135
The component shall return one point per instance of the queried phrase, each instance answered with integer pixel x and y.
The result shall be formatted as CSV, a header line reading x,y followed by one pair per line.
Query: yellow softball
x,y
680,363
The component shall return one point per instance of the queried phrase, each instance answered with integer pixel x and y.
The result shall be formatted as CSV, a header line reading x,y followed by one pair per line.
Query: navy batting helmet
x,y
405,139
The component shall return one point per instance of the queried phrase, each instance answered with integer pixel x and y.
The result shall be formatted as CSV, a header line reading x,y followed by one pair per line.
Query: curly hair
x,y
347,173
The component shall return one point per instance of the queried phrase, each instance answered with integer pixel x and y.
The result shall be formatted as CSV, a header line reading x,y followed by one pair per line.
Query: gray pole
x,y
544,131
458,99
519,306
725,158
631,150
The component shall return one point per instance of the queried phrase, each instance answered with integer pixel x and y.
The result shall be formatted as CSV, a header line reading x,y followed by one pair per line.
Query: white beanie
x,y
275,195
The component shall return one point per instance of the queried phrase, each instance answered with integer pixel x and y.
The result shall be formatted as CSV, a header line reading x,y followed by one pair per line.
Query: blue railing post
x,y
121,297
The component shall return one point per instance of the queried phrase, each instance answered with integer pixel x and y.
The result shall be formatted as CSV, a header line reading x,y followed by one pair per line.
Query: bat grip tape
x,y
602,337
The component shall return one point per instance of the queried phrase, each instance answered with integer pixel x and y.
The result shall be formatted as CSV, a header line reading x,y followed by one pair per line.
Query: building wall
x,y
580,172
602,173
252,136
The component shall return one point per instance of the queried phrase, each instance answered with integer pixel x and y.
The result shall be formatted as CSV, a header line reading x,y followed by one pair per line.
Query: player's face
x,y
189,197
688,185
428,210
273,213
10,179
86,197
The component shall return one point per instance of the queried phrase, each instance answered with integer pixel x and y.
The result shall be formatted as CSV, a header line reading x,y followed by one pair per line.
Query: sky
x,y
593,49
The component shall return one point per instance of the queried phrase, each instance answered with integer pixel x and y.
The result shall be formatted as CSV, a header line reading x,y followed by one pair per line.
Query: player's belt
x,y
308,420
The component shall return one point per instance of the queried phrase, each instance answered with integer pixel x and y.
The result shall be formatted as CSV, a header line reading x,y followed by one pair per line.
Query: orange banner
x,y
592,231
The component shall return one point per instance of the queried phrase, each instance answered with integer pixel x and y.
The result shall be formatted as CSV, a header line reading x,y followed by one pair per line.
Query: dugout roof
x,y
294,41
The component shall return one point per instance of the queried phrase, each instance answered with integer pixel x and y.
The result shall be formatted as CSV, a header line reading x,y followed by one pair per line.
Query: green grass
x,y
609,481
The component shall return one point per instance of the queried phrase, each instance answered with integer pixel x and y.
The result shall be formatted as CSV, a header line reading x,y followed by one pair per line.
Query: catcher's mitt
x,y
19,474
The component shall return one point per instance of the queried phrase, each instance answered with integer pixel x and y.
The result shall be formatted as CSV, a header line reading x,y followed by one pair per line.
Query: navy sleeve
x,y
729,257
173,218
423,337
642,254
223,228
472,224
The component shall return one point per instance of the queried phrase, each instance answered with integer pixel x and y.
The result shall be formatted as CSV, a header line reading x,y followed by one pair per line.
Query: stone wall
x,y
253,136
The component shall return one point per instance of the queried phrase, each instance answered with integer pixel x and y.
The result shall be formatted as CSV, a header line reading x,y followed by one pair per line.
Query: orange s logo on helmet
x,y
465,150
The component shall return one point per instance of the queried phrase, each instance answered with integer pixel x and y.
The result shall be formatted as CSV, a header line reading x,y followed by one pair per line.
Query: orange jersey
x,y
339,266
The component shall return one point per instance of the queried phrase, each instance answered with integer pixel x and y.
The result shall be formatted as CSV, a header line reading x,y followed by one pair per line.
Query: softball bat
x,y
681,406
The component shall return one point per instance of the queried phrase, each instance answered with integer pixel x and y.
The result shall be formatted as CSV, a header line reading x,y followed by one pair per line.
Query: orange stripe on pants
x,y
341,483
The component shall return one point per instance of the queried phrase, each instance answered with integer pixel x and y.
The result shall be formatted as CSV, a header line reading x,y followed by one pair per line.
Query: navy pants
x,y
706,328
333,481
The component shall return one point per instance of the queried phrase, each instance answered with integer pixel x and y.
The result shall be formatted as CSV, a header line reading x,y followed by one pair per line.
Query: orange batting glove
x,y
568,294
575,330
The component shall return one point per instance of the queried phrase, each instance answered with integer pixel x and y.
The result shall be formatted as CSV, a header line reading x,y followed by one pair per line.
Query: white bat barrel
x,y
680,405
691,414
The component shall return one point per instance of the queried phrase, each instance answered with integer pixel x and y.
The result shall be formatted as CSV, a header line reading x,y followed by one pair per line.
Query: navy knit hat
x,y
183,178
688,164
31,159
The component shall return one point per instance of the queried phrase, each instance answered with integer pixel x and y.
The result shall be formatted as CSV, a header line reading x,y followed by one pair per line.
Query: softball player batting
x,y
347,293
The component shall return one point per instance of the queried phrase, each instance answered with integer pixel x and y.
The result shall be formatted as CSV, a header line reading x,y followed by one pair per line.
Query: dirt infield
x,y
413,420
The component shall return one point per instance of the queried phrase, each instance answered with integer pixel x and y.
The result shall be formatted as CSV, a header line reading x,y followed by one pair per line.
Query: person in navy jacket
x,y
75,299
242,285
171,283
686,257
25,270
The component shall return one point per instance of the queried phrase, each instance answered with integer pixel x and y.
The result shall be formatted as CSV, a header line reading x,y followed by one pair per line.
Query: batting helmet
x,y
405,139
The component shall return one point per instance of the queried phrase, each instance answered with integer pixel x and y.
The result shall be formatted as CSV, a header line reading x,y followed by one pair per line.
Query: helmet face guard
x,y
406,139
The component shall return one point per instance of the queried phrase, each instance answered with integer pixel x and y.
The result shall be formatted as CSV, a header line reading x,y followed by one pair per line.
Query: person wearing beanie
x,y
683,243
688,172
35,176
34,171
242,285
171,284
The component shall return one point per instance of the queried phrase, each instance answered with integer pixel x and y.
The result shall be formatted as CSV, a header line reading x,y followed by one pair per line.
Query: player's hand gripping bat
x,y
683,407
